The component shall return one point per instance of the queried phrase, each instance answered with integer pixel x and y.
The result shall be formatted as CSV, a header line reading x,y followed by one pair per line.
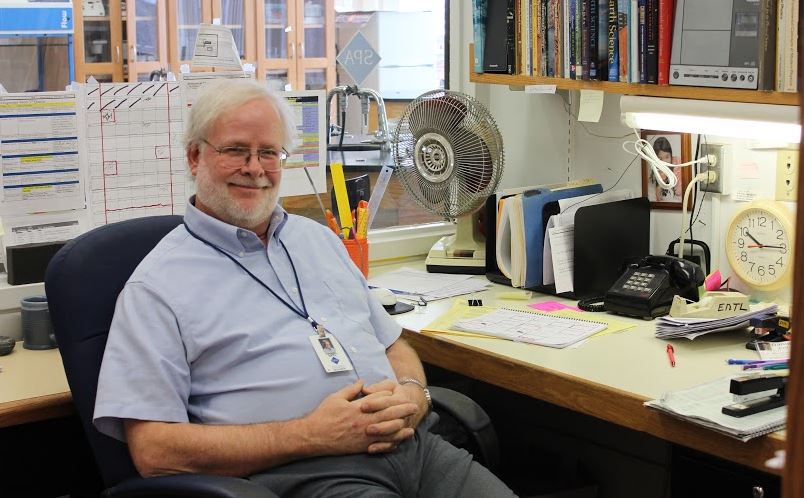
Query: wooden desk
x,y
608,377
33,387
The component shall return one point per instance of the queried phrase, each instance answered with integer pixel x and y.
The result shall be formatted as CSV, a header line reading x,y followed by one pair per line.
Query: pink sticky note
x,y
713,281
548,306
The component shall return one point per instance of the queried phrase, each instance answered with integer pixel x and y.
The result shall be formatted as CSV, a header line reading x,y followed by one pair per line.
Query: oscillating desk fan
x,y
448,153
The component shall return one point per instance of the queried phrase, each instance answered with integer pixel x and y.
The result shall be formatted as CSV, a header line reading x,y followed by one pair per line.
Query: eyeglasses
x,y
235,157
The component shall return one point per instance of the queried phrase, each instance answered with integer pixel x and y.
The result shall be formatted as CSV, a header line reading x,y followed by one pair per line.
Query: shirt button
x,y
241,254
323,319
353,349
295,290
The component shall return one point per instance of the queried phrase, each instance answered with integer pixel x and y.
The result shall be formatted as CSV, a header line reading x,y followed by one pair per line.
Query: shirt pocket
x,y
351,298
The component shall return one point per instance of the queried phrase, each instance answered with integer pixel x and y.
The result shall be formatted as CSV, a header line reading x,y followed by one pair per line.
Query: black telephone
x,y
646,289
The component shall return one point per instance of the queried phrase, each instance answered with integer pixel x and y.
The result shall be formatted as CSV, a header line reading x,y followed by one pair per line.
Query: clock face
x,y
760,247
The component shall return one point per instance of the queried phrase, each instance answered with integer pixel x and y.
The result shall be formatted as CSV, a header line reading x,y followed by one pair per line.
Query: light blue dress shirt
x,y
195,338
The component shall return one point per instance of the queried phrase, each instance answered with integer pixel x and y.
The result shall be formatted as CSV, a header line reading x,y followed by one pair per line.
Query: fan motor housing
x,y
434,157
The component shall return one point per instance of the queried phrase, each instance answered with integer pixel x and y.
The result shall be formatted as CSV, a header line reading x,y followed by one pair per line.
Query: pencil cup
x,y
37,331
359,252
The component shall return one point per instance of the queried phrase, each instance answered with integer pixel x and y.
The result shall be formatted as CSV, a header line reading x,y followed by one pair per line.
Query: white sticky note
x,y
540,89
591,105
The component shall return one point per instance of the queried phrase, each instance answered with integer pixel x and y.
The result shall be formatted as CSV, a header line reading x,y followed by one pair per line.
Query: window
x,y
411,41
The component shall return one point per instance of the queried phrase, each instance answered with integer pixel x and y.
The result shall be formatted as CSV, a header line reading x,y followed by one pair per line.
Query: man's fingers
x,y
379,400
387,428
400,411
350,391
391,442
383,385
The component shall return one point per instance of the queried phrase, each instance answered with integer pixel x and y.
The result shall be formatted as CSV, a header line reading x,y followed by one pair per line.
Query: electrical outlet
x,y
787,175
719,167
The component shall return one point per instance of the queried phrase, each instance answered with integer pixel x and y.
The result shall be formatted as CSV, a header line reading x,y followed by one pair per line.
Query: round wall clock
x,y
759,245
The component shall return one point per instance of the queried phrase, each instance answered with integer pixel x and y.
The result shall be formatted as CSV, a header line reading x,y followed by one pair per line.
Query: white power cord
x,y
660,169
708,177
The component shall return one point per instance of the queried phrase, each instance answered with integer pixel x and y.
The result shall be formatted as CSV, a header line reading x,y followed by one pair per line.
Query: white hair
x,y
223,96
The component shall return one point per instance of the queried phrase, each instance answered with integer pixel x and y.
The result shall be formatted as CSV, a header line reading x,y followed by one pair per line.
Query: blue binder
x,y
533,206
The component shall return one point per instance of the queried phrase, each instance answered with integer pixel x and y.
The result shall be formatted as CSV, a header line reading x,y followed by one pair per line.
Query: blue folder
x,y
533,206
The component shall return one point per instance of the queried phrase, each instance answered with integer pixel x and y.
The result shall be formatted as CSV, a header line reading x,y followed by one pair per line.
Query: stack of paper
x,y
424,286
702,405
668,327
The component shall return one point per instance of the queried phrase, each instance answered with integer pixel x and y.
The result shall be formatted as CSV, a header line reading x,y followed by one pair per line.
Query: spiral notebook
x,y
531,327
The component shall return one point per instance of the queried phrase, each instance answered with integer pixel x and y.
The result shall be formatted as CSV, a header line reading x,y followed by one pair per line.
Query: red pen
x,y
670,355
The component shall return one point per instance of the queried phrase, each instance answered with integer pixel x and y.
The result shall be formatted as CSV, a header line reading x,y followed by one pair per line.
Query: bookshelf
x,y
668,91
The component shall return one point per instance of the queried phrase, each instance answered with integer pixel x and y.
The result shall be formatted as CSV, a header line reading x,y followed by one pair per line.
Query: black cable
x,y
608,189
695,189
703,197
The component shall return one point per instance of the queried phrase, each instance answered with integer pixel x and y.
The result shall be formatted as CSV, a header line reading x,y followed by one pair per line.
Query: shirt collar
x,y
228,237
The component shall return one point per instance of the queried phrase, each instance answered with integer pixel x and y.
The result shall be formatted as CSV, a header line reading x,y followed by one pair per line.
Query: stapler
x,y
772,329
756,393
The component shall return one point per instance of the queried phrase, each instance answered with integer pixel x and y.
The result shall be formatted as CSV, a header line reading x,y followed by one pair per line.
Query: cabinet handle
x,y
117,51
292,50
758,492
301,50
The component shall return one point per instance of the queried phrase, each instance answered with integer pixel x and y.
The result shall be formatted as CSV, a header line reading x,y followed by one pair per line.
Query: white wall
x,y
544,144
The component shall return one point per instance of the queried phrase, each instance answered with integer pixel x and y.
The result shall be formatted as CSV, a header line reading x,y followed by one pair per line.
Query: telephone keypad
x,y
639,282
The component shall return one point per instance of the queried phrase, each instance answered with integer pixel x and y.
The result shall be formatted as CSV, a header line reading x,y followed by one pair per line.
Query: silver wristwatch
x,y
411,380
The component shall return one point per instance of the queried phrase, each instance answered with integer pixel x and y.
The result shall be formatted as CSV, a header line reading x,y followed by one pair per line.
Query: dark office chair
x,y
82,283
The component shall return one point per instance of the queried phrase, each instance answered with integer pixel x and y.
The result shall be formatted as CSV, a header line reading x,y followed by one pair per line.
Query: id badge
x,y
330,353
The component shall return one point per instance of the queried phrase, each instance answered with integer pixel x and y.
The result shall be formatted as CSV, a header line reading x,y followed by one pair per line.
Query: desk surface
x,y
607,377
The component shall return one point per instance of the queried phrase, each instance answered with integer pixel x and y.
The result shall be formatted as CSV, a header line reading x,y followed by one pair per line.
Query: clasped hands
x,y
367,418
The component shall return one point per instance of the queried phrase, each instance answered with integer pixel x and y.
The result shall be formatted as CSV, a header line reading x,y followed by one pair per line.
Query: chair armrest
x,y
189,485
473,418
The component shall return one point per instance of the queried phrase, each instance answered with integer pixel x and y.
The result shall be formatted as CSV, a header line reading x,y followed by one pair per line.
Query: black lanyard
x,y
302,313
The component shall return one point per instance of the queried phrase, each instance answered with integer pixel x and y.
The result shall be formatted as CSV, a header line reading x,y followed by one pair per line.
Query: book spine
x,y
584,39
623,6
479,31
535,37
543,51
578,41
790,82
550,36
665,40
518,48
511,25
652,41
613,47
594,24
565,38
633,42
573,46
767,45
558,54
603,40
643,74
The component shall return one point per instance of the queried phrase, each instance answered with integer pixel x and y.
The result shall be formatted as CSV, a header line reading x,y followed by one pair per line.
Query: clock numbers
x,y
758,246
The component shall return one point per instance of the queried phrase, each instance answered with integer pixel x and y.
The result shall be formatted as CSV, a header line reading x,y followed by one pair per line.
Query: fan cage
x,y
448,152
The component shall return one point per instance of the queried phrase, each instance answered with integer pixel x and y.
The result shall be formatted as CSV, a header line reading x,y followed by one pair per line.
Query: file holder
x,y
607,237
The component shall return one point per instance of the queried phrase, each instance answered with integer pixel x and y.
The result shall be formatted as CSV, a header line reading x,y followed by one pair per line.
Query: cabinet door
x,y
184,16
234,15
276,43
99,41
315,45
147,38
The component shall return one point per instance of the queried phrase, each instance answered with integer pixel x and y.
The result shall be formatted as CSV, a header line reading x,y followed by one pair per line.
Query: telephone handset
x,y
646,289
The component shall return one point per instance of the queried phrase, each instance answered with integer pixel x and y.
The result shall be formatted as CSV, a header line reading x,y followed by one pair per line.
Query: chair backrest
x,y
82,283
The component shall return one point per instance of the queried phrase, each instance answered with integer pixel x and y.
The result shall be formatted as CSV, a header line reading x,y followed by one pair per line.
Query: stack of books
x,y
668,327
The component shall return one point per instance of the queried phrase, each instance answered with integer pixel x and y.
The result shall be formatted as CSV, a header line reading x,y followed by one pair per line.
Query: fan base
x,y
463,266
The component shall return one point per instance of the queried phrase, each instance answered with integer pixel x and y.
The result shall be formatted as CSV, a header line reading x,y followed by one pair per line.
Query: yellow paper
x,y
461,310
